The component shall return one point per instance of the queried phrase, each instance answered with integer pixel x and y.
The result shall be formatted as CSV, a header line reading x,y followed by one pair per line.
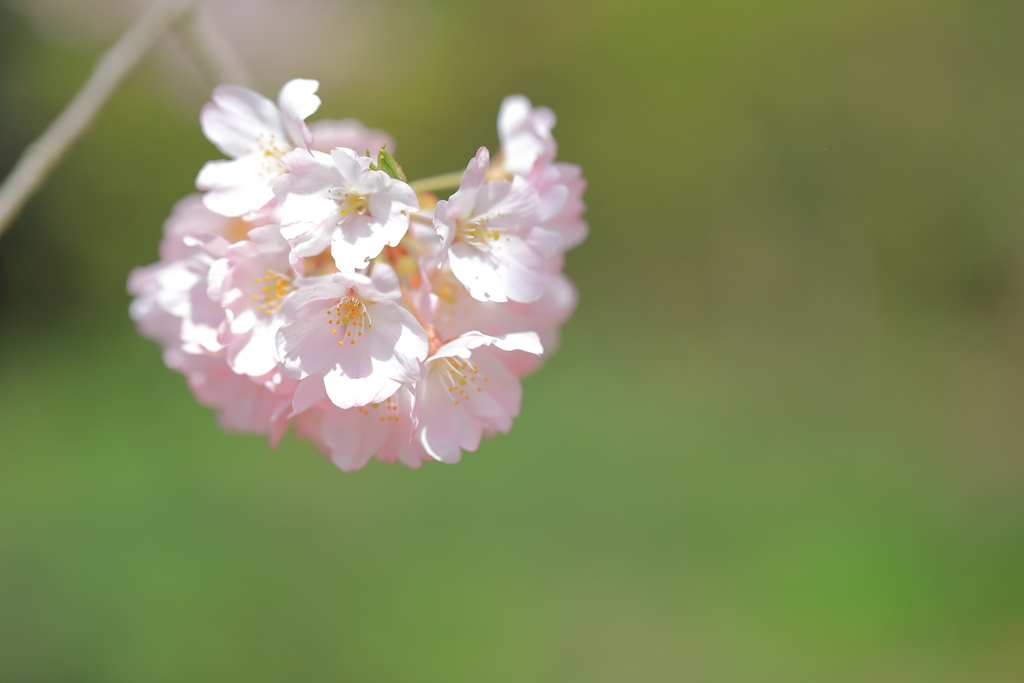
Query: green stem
x,y
437,182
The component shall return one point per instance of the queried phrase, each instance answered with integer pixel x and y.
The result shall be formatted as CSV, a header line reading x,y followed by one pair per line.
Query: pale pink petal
x,y
373,386
525,134
353,436
298,100
237,117
561,187
513,271
238,186
309,393
308,172
506,204
438,434
464,199
399,446
190,218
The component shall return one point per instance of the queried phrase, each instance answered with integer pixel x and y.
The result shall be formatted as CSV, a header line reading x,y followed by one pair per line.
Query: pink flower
x,y
348,333
250,283
338,201
466,391
255,133
170,296
529,150
561,187
191,226
525,134
453,312
352,437
491,238
307,288
173,305
243,404
152,319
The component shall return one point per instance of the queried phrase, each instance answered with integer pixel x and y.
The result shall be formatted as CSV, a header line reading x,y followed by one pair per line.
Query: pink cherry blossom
x,y
491,238
255,133
307,288
191,226
250,283
152,319
179,289
348,333
338,201
453,312
560,187
525,134
244,404
350,438
467,391
399,444
171,292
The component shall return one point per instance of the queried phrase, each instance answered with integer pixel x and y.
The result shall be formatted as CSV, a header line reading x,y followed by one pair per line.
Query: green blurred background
x,y
783,439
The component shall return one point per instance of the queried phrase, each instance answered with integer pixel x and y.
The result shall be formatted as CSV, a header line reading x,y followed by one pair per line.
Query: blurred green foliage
x,y
782,440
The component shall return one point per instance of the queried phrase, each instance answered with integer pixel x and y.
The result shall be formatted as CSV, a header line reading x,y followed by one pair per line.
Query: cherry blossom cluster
x,y
310,284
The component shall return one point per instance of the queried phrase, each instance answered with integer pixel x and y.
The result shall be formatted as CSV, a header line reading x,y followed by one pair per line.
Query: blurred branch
x,y
212,52
41,156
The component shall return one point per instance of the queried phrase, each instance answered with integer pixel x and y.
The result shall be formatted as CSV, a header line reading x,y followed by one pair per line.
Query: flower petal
x,y
298,101
236,117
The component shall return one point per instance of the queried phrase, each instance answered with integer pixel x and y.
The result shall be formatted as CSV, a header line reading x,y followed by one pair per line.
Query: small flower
x,y
338,201
491,238
348,332
173,306
152,319
467,391
256,134
453,312
525,134
244,404
350,438
560,187
250,283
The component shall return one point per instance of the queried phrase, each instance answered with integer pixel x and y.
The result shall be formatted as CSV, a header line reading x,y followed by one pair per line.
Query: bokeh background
x,y
783,439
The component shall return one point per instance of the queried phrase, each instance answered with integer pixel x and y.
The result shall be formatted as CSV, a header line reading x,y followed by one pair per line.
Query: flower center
x,y
388,406
270,150
457,376
347,316
350,203
478,232
275,287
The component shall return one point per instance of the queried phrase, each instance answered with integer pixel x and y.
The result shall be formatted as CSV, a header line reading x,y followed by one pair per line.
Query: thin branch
x,y
212,52
187,41
41,156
